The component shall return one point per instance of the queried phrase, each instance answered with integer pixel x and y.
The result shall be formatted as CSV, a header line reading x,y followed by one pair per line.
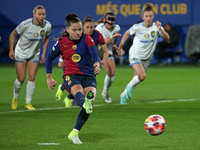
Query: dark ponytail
x,y
70,18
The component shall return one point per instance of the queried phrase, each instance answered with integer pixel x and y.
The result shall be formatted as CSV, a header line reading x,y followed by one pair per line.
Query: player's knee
x,y
21,79
142,77
111,73
31,78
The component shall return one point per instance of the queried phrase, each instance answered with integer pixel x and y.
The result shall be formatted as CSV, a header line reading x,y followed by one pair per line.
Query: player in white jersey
x,y
142,49
27,52
110,32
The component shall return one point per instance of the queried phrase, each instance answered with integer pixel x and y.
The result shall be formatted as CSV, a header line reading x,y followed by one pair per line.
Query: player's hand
x,y
12,55
120,52
42,59
96,68
60,64
51,83
158,24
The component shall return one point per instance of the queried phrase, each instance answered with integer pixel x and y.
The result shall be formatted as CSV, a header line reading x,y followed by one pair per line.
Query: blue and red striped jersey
x,y
98,38
77,55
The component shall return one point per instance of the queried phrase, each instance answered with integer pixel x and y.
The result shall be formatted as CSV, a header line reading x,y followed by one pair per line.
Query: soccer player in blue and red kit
x,y
89,28
77,50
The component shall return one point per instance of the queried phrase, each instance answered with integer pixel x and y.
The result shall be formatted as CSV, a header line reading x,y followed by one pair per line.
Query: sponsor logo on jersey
x,y
153,34
76,57
67,78
146,41
74,47
42,32
35,35
65,45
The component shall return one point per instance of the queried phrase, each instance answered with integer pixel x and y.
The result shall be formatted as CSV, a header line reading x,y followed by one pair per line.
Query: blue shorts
x,y
83,80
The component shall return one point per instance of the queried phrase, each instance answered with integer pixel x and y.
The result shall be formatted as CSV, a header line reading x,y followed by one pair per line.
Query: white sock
x,y
30,88
108,82
132,84
17,88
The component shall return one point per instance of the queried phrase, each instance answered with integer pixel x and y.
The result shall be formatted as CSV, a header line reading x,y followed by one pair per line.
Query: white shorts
x,y
35,59
145,63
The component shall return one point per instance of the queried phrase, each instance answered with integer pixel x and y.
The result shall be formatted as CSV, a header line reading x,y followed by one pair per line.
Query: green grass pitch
x,y
170,91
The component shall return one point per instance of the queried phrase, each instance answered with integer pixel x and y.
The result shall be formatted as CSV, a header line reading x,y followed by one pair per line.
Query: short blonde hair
x,y
147,7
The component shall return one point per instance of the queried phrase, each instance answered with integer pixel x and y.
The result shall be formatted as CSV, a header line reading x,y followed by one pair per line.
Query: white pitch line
x,y
42,109
178,100
17,111
48,143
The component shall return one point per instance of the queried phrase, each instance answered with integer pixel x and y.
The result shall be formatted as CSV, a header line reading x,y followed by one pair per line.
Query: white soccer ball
x,y
155,124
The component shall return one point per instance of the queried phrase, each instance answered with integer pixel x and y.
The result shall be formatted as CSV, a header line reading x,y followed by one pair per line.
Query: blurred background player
x,y
88,28
110,32
142,50
77,50
27,52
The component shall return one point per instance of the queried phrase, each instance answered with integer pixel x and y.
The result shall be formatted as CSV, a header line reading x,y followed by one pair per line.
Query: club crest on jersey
x,y
35,34
69,82
42,32
74,47
146,36
76,57
67,78
152,34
